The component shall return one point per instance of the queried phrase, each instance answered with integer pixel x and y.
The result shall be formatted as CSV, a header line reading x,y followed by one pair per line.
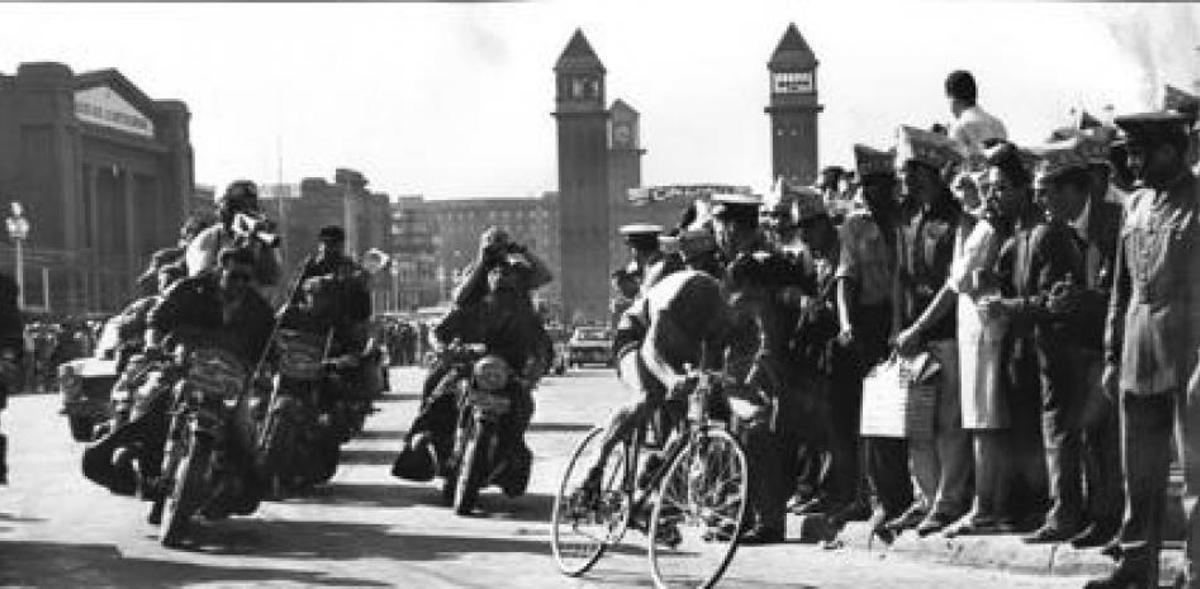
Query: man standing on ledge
x,y
972,125
1152,339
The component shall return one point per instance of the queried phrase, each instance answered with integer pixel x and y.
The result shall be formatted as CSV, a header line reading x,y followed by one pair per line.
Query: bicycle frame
x,y
679,440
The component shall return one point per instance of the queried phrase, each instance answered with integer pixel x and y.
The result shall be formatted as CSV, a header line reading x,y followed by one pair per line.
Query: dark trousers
x,y
886,459
771,446
1147,422
1062,404
845,409
1027,498
1100,450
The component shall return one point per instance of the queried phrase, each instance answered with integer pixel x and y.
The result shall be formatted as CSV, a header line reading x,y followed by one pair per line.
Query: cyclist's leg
x,y
646,395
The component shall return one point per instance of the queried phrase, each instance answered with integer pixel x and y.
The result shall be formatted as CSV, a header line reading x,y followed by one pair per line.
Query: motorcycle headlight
x,y
491,373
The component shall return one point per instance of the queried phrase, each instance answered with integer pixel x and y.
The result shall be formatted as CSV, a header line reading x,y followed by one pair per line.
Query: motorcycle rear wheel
x,y
187,486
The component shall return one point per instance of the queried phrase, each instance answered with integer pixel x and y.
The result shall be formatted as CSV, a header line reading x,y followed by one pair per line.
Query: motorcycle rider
x,y
240,224
495,247
310,332
347,285
101,462
507,324
221,309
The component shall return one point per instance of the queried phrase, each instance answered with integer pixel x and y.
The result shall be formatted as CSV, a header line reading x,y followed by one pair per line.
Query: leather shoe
x,y
1097,534
1121,578
1049,534
818,505
974,524
855,511
936,522
759,536
1112,550
909,519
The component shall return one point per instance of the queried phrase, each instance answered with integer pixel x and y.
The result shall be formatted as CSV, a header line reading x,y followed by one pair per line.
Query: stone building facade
x,y
105,175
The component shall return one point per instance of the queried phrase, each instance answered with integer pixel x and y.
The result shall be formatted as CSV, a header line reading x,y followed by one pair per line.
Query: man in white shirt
x,y
972,125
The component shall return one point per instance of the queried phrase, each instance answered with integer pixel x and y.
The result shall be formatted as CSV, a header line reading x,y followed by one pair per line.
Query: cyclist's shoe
x,y
718,532
760,535
668,534
587,496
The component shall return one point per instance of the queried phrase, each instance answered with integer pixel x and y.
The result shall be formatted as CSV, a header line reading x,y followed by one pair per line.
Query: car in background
x,y
86,386
590,345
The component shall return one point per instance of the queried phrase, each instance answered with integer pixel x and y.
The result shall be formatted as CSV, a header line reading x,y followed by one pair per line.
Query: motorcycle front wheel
x,y
186,489
472,470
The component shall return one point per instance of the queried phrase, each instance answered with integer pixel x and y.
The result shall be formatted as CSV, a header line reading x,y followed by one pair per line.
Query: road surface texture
x,y
367,529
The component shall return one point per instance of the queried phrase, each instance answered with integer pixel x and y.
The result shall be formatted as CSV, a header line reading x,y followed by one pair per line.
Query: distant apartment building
x,y
450,229
345,202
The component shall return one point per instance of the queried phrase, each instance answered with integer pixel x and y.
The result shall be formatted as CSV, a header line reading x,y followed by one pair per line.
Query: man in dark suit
x,y
1080,199
1039,255
1151,342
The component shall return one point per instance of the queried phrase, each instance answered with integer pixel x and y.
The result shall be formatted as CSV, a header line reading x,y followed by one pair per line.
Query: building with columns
x,y
105,174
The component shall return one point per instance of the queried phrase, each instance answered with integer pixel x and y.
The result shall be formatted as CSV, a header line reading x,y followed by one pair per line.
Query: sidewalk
x,y
997,552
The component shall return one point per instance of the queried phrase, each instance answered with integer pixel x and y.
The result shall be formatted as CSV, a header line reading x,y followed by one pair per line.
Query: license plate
x,y
490,403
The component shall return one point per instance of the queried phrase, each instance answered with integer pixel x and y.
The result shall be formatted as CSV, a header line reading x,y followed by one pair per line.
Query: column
x,y
92,261
130,258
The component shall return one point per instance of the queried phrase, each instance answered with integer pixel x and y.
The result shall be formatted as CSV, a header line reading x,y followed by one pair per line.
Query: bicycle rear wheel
x,y
698,513
582,527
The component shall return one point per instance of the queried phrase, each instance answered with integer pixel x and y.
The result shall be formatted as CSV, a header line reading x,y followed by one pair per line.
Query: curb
x,y
996,552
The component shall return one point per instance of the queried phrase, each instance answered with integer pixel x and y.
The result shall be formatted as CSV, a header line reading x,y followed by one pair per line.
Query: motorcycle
x,y
207,468
127,453
487,395
298,444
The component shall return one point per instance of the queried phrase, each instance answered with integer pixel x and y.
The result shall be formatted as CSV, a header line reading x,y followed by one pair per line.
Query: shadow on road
x,y
369,457
371,495
381,434
53,564
398,397
347,541
560,428
531,507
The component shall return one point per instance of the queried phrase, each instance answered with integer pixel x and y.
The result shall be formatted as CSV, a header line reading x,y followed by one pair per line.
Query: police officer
x,y
649,263
1151,343
757,281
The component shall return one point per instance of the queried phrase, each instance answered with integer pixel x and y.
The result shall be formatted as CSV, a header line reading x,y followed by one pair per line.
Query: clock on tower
x,y
793,109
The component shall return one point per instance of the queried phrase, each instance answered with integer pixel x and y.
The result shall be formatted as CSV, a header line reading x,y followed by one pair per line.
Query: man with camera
x,y
240,224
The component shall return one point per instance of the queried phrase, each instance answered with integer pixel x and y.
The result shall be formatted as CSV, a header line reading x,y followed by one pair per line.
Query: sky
x,y
454,101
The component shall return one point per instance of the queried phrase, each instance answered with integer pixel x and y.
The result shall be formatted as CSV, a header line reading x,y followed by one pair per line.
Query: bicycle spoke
x,y
699,512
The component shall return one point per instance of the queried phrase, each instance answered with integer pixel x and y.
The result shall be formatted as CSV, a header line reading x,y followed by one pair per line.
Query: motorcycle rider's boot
x,y
515,478
124,477
417,460
154,518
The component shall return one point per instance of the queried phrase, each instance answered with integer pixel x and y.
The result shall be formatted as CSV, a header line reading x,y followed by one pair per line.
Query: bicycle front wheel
x,y
584,525
699,512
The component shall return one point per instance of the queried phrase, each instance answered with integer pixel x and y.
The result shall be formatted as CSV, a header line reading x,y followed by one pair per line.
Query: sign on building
x,y
101,105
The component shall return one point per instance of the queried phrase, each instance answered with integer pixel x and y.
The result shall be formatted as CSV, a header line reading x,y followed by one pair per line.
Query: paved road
x,y
369,530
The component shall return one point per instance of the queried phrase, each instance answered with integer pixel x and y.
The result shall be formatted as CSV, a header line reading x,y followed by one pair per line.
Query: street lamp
x,y
18,230
395,284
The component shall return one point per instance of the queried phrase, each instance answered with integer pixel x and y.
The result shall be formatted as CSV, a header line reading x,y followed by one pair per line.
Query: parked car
x,y
590,345
86,386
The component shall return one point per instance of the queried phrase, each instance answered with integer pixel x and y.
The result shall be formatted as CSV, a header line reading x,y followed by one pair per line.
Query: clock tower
x,y
583,180
793,109
625,172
